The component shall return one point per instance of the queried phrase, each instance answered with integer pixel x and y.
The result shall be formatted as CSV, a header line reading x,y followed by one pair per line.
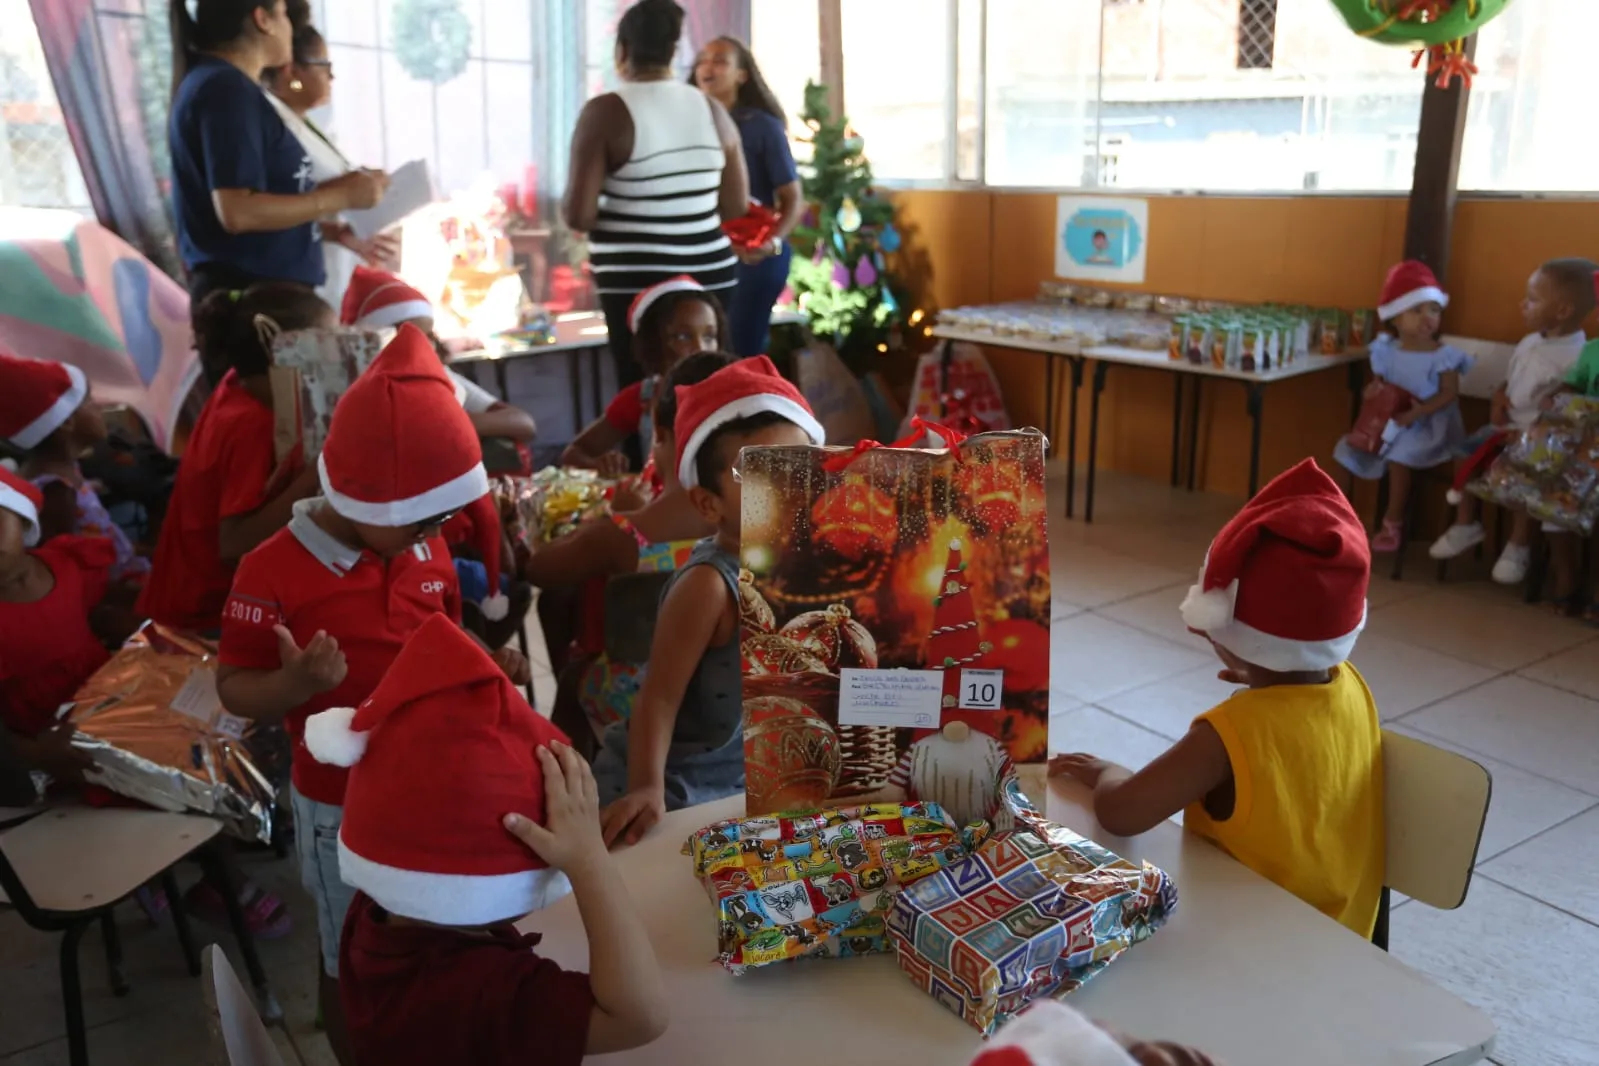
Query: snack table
x,y
1105,356
1243,970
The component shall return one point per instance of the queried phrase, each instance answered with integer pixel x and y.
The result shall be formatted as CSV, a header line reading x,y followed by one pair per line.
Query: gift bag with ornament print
x,y
896,607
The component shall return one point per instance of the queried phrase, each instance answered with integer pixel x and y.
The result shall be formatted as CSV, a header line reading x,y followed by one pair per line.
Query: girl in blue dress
x,y
1408,354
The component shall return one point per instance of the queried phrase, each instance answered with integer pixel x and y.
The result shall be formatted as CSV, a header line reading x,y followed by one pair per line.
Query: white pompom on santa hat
x,y
1052,1034
1284,582
376,299
440,753
487,535
400,450
1409,284
37,396
22,498
646,299
746,388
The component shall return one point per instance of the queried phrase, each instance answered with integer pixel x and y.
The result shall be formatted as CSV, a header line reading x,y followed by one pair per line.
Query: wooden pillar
x,y
1431,216
830,31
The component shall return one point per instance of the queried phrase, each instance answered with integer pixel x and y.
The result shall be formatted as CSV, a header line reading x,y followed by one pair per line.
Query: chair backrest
x,y
1436,802
1490,369
632,602
238,1035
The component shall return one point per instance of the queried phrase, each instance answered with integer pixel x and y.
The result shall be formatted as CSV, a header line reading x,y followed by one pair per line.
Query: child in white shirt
x,y
1560,294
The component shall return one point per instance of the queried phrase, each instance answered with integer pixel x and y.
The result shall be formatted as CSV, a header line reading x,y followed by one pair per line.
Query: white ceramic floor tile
x,y
1157,613
1091,576
1169,706
1505,636
1575,670
1561,867
1527,966
1098,732
1531,726
1403,677
1522,805
1092,658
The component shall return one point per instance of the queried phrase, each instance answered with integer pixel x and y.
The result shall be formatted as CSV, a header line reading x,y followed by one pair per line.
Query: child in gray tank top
x,y
684,744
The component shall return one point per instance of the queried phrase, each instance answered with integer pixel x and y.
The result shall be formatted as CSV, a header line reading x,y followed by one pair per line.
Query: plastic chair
x,y
238,1036
1436,804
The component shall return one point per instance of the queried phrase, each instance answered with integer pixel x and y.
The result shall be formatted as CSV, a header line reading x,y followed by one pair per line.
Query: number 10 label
x,y
981,689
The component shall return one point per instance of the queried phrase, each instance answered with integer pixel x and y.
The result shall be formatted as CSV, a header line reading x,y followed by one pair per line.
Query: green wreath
x,y
432,39
1440,26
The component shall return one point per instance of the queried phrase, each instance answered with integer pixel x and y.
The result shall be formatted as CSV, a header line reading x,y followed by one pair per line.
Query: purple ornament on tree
x,y
816,255
840,275
865,273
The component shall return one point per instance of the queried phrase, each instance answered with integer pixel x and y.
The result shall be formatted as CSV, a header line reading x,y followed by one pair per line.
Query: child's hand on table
x,y
317,668
514,664
52,752
1079,765
570,838
629,818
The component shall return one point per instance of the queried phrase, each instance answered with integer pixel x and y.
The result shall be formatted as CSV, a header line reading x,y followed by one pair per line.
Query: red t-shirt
x,y
625,412
369,605
224,473
47,650
425,995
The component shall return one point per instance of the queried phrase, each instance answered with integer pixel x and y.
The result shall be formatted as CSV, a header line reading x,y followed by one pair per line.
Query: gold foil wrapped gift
x,y
556,500
152,721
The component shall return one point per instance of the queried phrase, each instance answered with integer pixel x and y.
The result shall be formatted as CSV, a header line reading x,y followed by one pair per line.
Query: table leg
x,y
597,380
1100,370
1355,392
574,370
1076,362
1193,431
1253,402
1176,427
1049,404
499,381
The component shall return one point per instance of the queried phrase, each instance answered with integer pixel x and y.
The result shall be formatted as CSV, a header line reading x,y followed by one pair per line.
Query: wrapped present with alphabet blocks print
x,y
817,884
1036,911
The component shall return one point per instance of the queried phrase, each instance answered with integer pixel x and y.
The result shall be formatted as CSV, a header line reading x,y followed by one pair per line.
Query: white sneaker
x,y
1511,569
1457,540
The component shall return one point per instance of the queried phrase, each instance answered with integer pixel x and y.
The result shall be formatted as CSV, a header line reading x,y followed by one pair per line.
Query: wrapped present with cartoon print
x,y
816,884
311,369
1036,910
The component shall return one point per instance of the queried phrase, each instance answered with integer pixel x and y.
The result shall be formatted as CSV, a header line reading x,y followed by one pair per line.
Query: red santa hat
x,y
22,498
748,387
643,301
1284,582
1409,284
443,749
487,533
400,449
376,299
1052,1034
36,398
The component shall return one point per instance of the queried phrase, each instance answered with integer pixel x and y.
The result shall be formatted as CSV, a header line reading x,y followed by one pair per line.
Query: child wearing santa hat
x,y
671,320
46,413
444,853
1287,774
1049,1033
378,300
685,743
1409,355
319,611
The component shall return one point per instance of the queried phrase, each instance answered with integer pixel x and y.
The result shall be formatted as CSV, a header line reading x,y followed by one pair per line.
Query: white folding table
x,y
1243,970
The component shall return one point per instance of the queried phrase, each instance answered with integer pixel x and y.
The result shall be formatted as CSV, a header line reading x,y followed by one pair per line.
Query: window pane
x,y
37,164
785,37
1043,62
968,90
896,70
1529,116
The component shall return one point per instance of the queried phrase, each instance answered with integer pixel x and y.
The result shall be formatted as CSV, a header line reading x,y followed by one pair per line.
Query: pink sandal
x,y
1389,537
264,914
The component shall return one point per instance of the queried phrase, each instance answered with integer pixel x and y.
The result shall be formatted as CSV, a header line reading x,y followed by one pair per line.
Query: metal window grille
x,y
1257,34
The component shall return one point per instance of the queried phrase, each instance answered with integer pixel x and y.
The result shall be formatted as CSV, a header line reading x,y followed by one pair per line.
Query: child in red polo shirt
x,y
322,607
447,852
230,493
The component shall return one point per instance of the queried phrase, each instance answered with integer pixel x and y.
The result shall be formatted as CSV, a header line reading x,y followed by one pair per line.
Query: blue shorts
x,y
474,579
1468,447
695,773
316,843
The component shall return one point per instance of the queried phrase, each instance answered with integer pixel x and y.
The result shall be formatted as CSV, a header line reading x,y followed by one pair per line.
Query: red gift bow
x,y
920,427
755,228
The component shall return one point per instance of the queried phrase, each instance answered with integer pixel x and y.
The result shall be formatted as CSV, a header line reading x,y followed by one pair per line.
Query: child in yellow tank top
x,y
1286,775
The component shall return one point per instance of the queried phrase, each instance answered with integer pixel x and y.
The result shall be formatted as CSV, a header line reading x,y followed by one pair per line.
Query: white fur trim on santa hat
x,y
1207,610
19,505
330,740
1453,497
451,899
54,416
495,606
744,407
1053,1034
1281,654
1414,298
450,496
394,314
646,299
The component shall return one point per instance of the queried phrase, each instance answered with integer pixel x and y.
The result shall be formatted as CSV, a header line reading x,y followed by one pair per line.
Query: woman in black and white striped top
x,y
655,168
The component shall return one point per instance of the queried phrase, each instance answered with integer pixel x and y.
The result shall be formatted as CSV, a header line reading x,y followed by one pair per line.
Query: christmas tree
x,y
840,276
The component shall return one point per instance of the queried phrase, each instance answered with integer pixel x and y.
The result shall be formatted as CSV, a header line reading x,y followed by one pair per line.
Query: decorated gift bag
x,y
837,397
311,369
955,385
816,884
1551,469
1035,911
1382,402
896,609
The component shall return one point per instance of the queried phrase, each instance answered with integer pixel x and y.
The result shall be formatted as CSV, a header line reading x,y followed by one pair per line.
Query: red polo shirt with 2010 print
x,y
370,609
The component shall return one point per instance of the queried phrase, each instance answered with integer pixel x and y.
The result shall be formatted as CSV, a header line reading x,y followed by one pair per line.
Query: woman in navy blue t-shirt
x,y
726,71
242,194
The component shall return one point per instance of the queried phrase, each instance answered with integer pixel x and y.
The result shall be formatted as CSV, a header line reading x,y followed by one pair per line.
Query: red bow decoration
x,y
755,229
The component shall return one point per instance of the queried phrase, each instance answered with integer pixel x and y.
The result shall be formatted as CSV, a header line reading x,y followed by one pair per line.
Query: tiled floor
x,y
1464,665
